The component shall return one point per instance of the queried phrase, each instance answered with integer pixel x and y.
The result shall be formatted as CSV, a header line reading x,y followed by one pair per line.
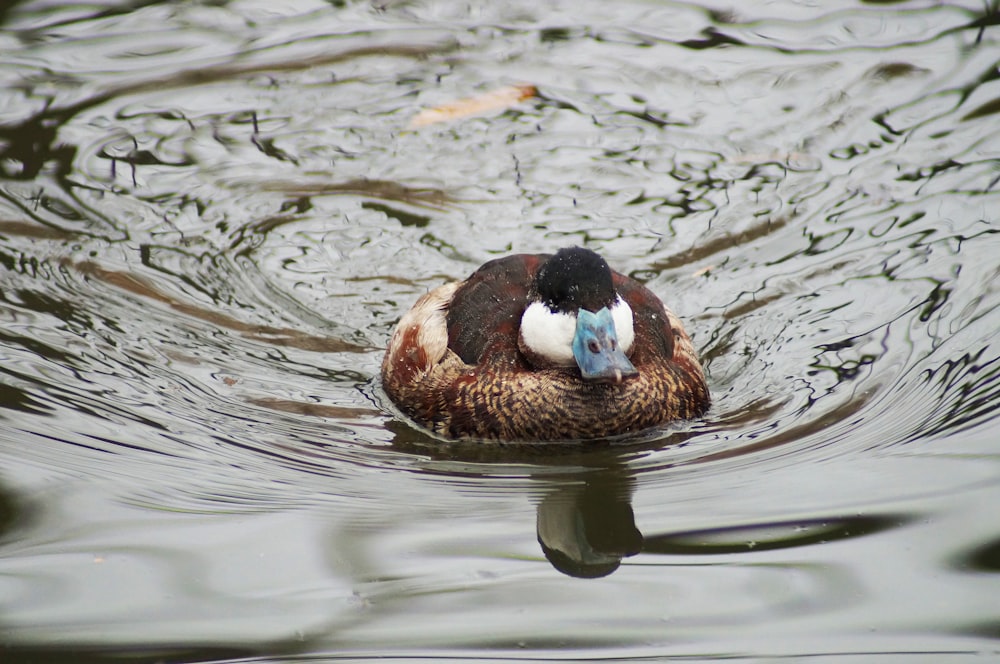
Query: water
x,y
211,215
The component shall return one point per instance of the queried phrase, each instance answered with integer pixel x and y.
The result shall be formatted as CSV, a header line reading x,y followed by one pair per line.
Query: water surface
x,y
211,216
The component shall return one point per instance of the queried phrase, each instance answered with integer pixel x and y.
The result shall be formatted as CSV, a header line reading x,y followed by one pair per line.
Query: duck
x,y
543,347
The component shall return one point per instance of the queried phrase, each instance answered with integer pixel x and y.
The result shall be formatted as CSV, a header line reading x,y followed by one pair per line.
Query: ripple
x,y
211,220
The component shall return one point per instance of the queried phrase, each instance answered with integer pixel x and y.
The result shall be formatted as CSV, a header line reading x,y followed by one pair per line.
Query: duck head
x,y
574,318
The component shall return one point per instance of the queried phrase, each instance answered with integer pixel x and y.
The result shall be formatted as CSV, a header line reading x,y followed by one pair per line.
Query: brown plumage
x,y
455,366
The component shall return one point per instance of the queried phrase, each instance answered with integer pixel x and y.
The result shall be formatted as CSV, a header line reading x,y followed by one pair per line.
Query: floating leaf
x,y
495,100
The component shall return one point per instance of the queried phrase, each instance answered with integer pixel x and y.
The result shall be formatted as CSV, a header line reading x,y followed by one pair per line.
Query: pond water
x,y
212,214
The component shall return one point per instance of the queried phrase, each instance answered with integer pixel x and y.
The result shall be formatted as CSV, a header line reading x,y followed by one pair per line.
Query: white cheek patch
x,y
621,314
550,334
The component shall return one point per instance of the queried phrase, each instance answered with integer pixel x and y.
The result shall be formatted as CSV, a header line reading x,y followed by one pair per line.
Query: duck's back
x,y
485,314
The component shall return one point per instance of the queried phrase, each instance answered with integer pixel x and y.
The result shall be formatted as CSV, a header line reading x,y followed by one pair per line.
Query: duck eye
x,y
592,346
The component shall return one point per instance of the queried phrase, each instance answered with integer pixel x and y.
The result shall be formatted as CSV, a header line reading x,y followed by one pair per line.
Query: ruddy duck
x,y
543,347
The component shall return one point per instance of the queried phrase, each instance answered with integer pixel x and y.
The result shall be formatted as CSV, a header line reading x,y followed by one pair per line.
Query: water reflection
x,y
31,146
772,536
16,514
586,526
985,558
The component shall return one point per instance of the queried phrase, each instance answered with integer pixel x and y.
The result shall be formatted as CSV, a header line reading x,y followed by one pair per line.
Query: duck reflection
x,y
586,526
584,523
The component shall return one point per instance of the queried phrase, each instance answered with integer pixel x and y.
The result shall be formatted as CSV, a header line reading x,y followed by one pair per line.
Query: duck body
x,y
543,347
